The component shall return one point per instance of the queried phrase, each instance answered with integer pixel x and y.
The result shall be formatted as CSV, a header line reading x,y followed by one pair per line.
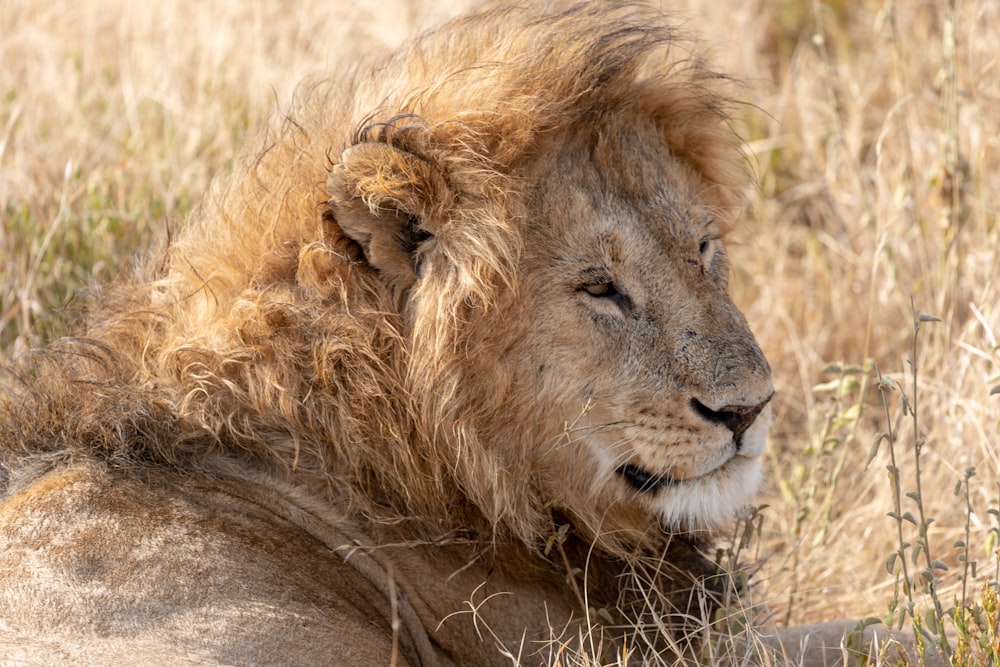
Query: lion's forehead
x,y
655,217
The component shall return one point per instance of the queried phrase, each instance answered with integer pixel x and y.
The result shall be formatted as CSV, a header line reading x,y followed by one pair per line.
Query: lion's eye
x,y
706,245
600,289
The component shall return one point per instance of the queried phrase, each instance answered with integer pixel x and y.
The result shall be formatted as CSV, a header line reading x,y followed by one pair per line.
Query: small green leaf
x,y
924,317
873,450
832,385
931,621
848,416
995,390
890,563
855,639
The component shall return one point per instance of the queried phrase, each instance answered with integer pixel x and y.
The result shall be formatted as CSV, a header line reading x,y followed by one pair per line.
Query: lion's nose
x,y
737,418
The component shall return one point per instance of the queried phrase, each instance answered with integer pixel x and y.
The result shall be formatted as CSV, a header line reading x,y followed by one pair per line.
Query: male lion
x,y
446,375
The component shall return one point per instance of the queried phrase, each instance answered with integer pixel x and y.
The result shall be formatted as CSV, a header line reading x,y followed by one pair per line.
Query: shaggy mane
x,y
265,339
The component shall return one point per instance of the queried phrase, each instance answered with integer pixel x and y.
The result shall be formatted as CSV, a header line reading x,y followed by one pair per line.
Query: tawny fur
x,y
356,323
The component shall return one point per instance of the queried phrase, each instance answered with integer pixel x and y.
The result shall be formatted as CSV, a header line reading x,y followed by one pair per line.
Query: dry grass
x,y
877,139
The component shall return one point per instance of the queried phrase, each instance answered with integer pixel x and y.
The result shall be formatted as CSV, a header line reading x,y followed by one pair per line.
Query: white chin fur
x,y
712,502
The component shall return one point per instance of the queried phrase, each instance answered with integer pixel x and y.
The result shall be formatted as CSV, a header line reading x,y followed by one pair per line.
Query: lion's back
x,y
94,565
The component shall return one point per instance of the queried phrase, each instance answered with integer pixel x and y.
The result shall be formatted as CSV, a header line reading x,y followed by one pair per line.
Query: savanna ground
x,y
874,128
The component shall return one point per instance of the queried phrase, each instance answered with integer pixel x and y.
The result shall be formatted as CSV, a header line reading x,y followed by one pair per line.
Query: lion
x,y
446,373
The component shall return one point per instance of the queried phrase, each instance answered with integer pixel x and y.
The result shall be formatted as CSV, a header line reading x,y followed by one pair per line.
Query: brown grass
x,y
876,136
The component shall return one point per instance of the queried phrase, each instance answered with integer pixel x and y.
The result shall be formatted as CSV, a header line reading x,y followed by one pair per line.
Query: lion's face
x,y
635,346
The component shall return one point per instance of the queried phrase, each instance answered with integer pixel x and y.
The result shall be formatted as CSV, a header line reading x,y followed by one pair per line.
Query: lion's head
x,y
551,223
483,280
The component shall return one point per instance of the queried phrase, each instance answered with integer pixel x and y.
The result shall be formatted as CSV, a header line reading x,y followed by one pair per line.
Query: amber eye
x,y
707,244
600,289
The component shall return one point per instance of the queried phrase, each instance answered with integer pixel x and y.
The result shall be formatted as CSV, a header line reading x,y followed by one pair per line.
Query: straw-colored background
x,y
875,130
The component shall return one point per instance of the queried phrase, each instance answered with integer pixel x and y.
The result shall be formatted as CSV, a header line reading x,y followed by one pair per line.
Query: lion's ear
x,y
382,197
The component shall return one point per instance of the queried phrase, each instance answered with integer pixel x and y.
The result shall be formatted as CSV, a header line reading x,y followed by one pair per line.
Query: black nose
x,y
737,418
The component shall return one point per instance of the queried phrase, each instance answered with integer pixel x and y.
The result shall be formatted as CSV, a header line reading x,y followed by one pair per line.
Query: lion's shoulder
x,y
244,571
97,562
